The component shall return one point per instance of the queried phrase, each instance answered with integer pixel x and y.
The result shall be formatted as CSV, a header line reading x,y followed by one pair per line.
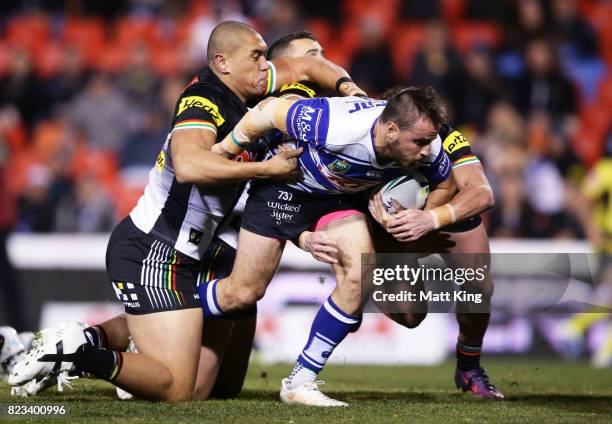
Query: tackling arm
x,y
324,72
268,114
194,163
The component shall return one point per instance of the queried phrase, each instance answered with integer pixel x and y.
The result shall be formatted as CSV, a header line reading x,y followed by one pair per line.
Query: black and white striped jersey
x,y
186,216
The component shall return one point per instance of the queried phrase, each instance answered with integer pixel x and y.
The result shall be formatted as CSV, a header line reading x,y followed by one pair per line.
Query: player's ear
x,y
392,131
221,63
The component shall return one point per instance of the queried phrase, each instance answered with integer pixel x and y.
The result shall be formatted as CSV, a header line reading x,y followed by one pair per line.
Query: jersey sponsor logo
x,y
339,166
298,86
202,103
455,141
304,122
363,105
444,167
161,160
195,236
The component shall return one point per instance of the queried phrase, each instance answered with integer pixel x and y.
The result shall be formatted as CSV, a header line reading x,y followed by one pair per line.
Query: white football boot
x,y
122,394
11,350
34,387
64,339
26,337
307,394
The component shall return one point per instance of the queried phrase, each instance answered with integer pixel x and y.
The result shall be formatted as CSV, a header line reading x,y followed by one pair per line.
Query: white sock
x,y
300,375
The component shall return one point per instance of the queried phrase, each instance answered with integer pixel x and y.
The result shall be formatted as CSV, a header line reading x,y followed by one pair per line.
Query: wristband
x,y
341,81
443,215
231,145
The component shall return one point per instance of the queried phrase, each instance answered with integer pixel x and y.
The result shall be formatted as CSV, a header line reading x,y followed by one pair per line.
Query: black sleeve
x,y
456,146
306,89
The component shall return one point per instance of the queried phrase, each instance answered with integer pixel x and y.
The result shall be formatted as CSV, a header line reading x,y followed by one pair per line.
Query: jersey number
x,y
285,195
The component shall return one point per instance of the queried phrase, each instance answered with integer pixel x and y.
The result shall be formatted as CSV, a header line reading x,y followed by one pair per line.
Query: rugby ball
x,y
409,190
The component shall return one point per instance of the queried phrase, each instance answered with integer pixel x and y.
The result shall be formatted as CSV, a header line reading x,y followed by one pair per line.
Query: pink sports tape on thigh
x,y
333,216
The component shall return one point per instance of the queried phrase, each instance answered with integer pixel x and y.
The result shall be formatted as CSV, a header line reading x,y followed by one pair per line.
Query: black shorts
x,y
463,226
149,276
278,211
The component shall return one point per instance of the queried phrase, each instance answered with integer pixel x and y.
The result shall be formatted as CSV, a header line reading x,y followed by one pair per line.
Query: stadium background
x,y
87,89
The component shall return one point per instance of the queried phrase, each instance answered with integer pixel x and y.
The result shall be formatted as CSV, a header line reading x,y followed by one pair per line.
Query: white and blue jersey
x,y
337,134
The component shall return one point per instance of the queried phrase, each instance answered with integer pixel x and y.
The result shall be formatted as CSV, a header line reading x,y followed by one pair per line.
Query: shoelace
x,y
481,375
314,387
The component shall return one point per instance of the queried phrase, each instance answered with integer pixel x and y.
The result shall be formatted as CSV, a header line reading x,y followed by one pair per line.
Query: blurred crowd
x,y
87,91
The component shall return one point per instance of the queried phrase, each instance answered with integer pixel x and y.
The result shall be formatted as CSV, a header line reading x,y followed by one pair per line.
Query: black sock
x,y
101,363
96,336
468,357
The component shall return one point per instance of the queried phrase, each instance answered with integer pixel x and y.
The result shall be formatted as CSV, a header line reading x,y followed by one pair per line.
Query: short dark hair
x,y
406,104
280,46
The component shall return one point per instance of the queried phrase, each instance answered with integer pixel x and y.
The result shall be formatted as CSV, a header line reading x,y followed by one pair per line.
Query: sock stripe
x,y
211,298
468,353
118,365
325,339
338,313
466,348
309,363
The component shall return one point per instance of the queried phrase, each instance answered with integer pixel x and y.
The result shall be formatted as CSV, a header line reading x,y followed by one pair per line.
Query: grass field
x,y
537,391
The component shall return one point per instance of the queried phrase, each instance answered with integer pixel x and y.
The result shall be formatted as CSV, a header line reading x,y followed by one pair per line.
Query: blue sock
x,y
329,328
208,298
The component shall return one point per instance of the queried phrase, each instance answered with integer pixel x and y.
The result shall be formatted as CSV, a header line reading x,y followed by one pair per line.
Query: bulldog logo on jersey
x,y
339,166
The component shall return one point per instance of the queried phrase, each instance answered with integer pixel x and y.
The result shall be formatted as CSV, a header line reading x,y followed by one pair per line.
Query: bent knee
x,y
410,319
249,296
179,394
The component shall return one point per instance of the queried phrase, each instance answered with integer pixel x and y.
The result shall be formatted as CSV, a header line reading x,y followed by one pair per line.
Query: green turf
x,y
539,391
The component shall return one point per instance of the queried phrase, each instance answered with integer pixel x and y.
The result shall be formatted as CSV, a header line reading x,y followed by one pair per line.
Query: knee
x,y
248,296
178,394
408,320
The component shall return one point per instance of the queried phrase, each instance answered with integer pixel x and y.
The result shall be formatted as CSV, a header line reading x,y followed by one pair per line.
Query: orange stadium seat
x,y
129,30
322,29
98,163
6,53
112,57
350,38
30,31
124,196
166,60
359,9
465,35
604,96
588,140
406,41
601,17
338,54
453,10
49,58
88,35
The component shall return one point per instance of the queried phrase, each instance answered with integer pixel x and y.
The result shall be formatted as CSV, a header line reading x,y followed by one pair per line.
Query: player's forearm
x,y
325,73
267,115
206,168
468,202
